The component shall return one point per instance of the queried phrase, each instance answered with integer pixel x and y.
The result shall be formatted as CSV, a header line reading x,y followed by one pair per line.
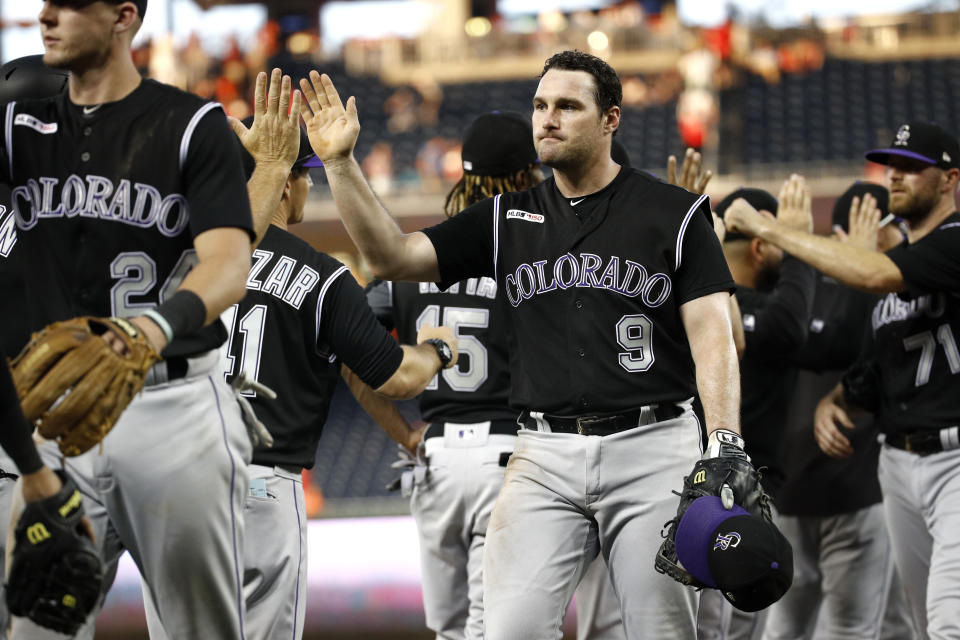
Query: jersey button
x,y
581,352
87,131
85,156
584,402
579,303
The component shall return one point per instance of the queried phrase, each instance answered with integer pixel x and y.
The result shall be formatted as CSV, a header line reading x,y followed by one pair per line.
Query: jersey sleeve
x,y
778,321
349,327
932,264
464,244
214,182
380,298
16,434
701,268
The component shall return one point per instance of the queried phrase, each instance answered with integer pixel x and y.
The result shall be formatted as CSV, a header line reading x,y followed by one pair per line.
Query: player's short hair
x,y
607,90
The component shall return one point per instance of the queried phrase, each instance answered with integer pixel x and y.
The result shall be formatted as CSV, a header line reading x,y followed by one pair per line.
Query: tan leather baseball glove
x,y
73,386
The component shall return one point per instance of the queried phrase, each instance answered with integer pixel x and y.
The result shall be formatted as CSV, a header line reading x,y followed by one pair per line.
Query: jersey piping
x,y
496,232
683,228
188,132
323,291
8,134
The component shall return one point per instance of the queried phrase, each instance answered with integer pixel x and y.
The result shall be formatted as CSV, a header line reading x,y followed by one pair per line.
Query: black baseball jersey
x,y
593,303
774,324
302,317
916,335
477,389
108,200
816,484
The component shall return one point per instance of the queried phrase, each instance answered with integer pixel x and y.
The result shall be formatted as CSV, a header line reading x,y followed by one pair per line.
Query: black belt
x,y
924,443
603,425
291,468
497,427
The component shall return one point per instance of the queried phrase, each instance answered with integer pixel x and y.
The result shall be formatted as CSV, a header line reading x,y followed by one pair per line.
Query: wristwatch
x,y
443,351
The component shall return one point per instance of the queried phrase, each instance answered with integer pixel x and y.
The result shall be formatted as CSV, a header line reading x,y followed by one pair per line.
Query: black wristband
x,y
183,313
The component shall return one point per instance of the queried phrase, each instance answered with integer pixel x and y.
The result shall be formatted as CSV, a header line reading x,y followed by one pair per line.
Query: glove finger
x,y
44,350
61,377
96,387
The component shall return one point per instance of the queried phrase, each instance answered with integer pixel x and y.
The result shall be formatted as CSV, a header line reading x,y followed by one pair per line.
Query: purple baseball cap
x,y
744,556
923,141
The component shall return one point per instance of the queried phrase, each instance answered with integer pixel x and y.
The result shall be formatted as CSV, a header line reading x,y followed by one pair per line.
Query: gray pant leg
x,y
452,507
897,621
634,500
598,606
794,616
173,477
275,555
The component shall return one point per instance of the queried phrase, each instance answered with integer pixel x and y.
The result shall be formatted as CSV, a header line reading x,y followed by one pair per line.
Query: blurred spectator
x,y
401,109
378,167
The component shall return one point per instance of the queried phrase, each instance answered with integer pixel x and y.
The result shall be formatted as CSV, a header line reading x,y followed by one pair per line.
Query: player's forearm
x,y
378,237
383,411
853,266
420,364
707,322
265,189
220,276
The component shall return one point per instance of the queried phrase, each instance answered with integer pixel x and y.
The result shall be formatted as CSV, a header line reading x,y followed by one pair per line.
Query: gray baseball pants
x,y
568,497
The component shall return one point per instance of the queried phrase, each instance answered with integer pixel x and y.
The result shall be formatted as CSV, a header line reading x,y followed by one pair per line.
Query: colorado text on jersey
x,y
568,271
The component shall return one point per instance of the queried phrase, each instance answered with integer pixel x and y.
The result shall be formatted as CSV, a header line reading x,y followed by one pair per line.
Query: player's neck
x,y
585,179
917,229
280,217
112,81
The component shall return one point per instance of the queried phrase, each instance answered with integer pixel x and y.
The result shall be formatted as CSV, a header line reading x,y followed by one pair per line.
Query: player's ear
x,y
758,249
611,119
287,187
128,20
951,177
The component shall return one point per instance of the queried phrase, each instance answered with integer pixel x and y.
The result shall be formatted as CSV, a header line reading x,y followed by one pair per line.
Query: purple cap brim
x,y
313,161
881,156
694,533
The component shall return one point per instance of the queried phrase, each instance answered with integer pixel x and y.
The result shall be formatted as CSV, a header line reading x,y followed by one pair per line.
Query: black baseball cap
x,y
305,159
27,77
743,556
841,208
498,143
758,198
923,141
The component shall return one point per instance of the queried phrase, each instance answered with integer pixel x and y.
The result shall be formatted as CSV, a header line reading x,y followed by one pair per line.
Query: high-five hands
x,y
331,127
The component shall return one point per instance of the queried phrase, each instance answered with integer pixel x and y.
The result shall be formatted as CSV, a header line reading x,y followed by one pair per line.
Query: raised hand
x,y
274,136
794,209
331,127
740,216
864,223
690,177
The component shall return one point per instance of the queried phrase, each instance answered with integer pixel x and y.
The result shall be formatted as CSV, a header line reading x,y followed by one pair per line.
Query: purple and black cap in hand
x,y
743,556
923,141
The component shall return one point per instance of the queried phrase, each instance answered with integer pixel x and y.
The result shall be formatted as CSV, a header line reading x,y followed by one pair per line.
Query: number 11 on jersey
x,y
251,325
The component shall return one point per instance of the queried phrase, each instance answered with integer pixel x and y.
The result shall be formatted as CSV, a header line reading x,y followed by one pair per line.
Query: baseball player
x,y
908,375
472,429
831,509
613,285
129,201
20,79
302,319
775,294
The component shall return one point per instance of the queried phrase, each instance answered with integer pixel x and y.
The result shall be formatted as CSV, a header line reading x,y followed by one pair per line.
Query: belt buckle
x,y
585,422
906,444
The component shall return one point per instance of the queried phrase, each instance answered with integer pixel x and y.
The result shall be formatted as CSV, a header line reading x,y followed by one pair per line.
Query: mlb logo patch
x,y
520,214
26,120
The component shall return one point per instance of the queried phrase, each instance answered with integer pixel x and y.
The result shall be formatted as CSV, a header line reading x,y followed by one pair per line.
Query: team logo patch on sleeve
x,y
29,121
520,214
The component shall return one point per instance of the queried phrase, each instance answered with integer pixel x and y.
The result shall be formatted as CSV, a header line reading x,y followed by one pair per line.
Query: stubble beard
x,y
917,207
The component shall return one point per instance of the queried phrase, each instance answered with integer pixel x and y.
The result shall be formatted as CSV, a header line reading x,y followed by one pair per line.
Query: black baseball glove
x,y
724,471
55,570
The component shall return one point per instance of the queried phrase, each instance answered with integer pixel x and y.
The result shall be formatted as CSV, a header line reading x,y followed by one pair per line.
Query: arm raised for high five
x,y
333,129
